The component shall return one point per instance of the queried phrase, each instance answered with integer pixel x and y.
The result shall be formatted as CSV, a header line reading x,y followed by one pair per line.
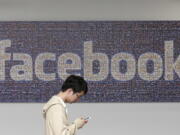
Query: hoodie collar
x,y
53,101
61,101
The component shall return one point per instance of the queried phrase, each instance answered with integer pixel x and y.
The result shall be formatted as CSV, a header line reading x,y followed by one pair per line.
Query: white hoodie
x,y
56,121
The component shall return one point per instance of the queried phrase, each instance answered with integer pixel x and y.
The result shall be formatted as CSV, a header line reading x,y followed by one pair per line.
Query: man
x,y
55,111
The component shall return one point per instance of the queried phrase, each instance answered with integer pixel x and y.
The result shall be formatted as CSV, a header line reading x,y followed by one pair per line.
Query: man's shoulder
x,y
53,102
56,106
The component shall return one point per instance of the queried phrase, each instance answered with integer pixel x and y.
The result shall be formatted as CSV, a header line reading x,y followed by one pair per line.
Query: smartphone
x,y
87,118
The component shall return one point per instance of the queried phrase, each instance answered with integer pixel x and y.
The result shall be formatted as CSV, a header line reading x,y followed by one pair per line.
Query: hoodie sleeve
x,y
58,121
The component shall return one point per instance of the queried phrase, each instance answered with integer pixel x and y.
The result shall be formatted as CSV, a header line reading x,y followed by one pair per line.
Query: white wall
x,y
89,10
114,118
107,118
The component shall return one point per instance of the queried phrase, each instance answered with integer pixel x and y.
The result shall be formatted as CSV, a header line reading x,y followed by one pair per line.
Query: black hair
x,y
77,83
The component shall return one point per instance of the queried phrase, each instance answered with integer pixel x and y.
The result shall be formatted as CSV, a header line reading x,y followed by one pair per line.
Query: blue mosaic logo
x,y
122,61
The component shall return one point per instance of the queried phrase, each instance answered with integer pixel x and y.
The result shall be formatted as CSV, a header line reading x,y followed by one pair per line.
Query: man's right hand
x,y
80,122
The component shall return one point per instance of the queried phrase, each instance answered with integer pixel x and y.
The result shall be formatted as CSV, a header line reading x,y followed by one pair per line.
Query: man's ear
x,y
70,91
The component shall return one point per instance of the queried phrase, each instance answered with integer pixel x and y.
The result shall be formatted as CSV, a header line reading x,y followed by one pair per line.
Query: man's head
x,y
74,87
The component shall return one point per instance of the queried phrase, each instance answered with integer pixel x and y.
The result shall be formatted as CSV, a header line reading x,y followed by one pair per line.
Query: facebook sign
x,y
122,61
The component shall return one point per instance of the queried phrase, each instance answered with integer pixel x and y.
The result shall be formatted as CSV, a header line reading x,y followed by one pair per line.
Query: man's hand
x,y
80,122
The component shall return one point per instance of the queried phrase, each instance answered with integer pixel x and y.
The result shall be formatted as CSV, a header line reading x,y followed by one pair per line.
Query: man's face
x,y
74,97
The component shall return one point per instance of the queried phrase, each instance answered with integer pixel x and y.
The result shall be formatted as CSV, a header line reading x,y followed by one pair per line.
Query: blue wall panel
x,y
123,61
